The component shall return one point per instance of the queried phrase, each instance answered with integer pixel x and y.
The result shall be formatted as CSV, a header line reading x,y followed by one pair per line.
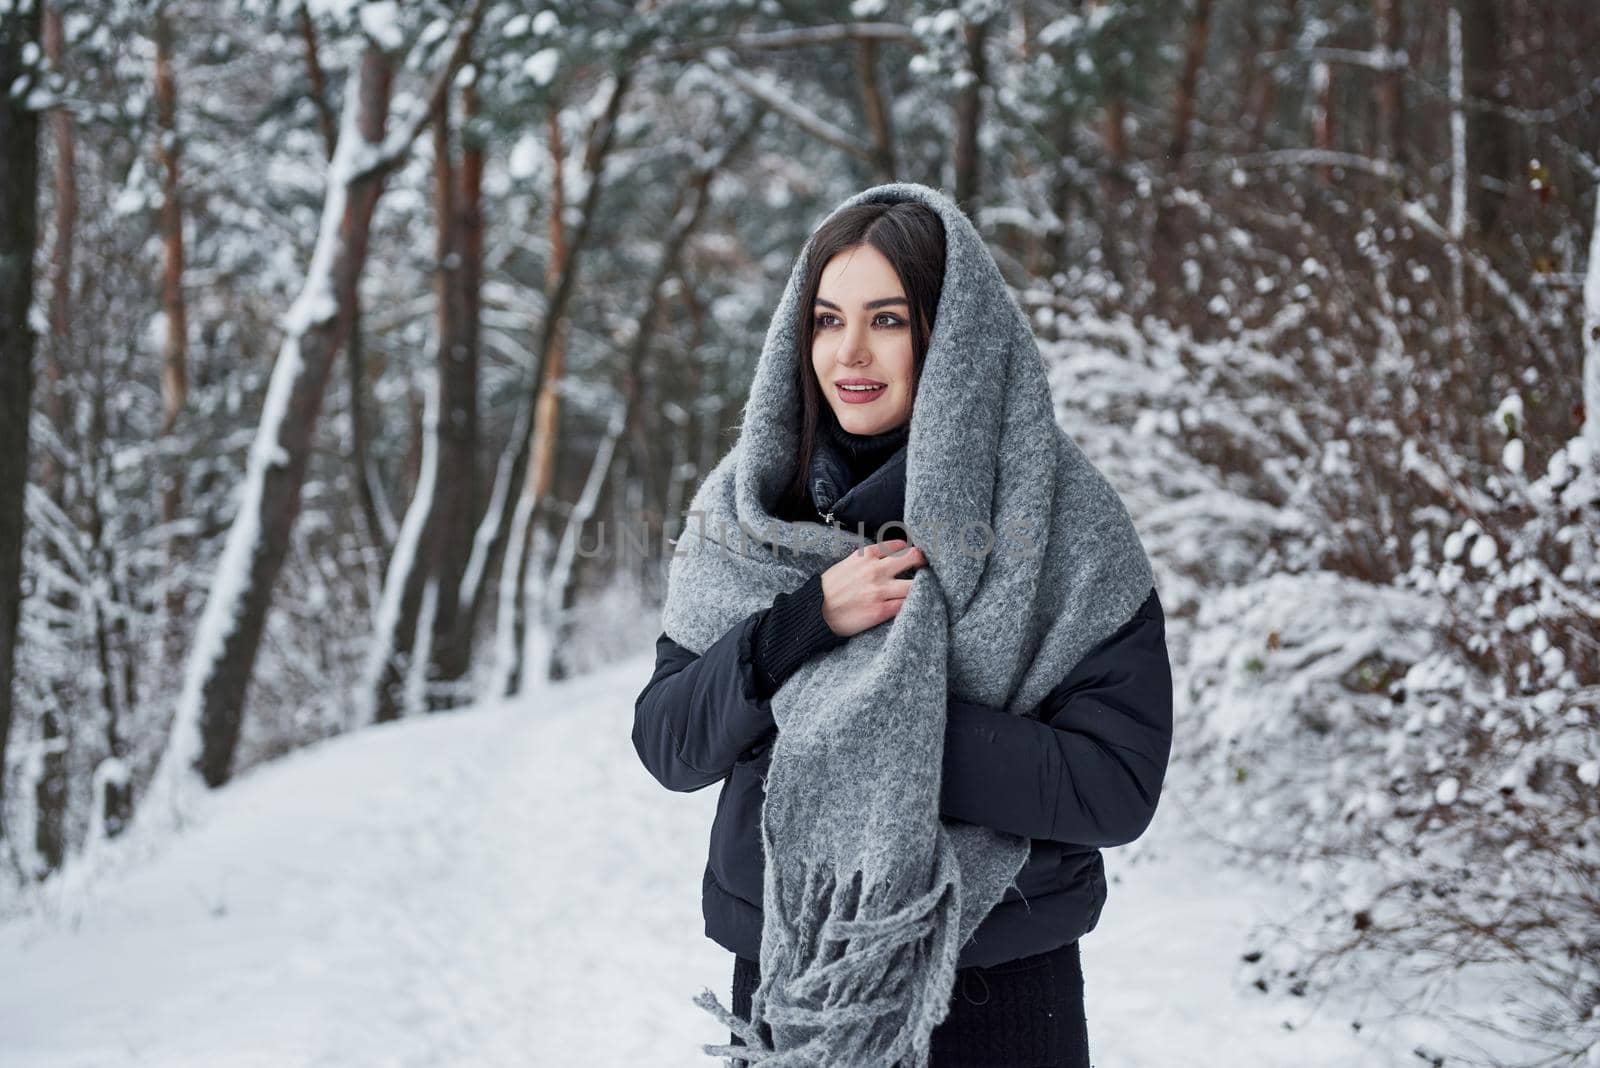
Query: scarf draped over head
x,y
869,894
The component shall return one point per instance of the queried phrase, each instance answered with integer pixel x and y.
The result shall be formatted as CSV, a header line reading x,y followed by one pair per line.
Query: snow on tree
x,y
210,704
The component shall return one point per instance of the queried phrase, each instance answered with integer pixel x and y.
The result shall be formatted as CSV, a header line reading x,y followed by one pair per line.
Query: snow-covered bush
x,y
1384,628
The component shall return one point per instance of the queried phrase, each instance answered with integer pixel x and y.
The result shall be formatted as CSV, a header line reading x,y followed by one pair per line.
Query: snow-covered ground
x,y
508,886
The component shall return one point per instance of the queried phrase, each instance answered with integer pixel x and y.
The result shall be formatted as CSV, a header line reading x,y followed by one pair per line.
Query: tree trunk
x,y
65,137
1183,100
394,632
1266,86
1591,342
487,542
48,782
548,406
456,497
1488,133
1251,68
1391,99
526,547
206,722
969,118
1457,220
1322,114
50,796
1166,243
559,586
1114,187
174,355
879,117
363,475
545,660
111,632
19,187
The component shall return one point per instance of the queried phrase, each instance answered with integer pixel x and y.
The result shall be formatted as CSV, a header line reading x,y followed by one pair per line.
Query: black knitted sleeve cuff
x,y
791,632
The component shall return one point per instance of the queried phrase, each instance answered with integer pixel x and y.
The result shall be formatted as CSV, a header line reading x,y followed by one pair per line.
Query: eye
x,y
888,320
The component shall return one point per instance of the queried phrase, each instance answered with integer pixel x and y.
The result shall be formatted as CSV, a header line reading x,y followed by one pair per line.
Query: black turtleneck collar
x,y
865,452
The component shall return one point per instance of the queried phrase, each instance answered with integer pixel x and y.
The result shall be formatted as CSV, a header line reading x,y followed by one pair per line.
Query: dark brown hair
x,y
911,237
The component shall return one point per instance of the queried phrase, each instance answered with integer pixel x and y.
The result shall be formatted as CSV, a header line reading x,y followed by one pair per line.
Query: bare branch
x,y
319,82
1412,210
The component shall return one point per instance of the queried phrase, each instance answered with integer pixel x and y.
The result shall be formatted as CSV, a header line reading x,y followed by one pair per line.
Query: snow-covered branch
x,y
800,37
783,101
379,161
1370,58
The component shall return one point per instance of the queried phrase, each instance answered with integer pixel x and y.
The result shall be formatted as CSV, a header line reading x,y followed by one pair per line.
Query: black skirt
x,y
1025,1013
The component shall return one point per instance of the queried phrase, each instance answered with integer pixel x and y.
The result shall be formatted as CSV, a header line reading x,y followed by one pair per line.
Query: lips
x,y
859,390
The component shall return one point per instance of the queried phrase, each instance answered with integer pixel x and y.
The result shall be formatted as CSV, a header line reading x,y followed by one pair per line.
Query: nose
x,y
853,350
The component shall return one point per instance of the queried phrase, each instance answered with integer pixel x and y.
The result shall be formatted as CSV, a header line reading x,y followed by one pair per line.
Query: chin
x,y
858,422
859,426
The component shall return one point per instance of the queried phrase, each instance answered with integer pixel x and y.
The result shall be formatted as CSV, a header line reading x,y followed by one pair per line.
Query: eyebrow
x,y
883,302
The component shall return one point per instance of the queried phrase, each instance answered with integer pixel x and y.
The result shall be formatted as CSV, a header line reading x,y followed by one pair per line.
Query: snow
x,y
333,9
1483,551
155,333
1447,791
541,66
380,20
1508,414
526,158
432,32
1512,455
505,884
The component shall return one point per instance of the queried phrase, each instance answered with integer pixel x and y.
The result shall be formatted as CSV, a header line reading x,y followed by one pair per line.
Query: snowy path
x,y
508,886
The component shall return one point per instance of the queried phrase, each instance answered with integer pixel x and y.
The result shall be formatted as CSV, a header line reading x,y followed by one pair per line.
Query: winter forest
x,y
343,341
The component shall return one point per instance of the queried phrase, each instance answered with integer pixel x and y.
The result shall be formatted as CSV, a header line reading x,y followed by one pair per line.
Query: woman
x,y
1081,771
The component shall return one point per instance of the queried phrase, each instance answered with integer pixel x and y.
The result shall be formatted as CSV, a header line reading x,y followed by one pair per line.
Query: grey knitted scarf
x,y
869,894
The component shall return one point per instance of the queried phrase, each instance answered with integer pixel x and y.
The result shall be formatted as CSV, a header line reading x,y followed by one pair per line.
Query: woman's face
x,y
862,336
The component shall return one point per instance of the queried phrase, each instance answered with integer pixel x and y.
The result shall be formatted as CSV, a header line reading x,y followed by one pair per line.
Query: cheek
x,y
905,362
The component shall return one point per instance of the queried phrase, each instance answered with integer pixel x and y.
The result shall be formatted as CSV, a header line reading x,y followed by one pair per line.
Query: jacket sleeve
x,y
1089,769
699,714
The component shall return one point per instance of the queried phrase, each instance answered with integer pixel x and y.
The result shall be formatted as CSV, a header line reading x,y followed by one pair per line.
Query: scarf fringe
x,y
842,980
738,1025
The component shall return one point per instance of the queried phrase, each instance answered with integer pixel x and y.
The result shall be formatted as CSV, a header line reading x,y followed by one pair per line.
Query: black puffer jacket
x,y
1083,772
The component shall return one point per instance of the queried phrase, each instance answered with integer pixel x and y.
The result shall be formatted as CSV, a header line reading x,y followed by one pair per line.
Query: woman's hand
x,y
861,590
